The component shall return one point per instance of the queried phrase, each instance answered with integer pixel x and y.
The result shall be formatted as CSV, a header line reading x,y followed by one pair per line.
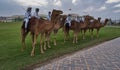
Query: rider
x,y
77,19
82,19
68,20
49,15
36,13
27,17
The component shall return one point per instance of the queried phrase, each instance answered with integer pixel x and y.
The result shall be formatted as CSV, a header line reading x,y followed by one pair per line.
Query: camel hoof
x,y
73,42
44,48
55,44
42,52
32,54
83,38
49,46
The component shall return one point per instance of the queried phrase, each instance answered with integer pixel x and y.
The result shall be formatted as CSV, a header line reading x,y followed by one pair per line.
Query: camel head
x,y
106,20
88,17
57,12
99,18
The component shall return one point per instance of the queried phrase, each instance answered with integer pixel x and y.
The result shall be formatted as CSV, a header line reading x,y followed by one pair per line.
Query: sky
x,y
96,8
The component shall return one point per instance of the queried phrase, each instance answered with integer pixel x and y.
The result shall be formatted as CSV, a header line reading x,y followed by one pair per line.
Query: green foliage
x,y
18,19
11,57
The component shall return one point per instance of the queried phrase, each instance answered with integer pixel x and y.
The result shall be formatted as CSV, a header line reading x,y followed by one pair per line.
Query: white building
x,y
6,19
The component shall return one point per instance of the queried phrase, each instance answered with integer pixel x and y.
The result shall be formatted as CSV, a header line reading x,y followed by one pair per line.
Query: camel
x,y
75,28
59,24
98,25
40,26
91,26
84,25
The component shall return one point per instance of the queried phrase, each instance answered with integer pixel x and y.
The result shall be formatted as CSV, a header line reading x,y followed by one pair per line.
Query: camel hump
x,y
44,21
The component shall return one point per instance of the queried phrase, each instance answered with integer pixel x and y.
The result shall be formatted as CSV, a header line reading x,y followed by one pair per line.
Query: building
x,y
12,18
6,19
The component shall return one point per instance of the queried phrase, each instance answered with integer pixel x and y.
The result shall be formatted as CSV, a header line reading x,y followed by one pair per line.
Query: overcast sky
x,y
96,8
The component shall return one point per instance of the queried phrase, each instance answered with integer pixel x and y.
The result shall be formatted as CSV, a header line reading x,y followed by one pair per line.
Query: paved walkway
x,y
105,56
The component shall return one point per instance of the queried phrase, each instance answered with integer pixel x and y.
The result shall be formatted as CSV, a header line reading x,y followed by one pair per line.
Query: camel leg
x,y
45,44
84,33
55,32
89,30
41,41
81,31
23,34
32,36
45,41
77,37
48,40
65,36
91,33
68,35
98,33
74,37
33,44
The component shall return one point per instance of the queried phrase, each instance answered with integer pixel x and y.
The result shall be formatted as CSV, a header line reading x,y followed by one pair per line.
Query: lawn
x,y
11,57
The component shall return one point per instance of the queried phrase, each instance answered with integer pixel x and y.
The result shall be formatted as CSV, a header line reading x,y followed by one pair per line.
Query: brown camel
x,y
98,25
84,25
41,26
60,20
91,26
75,28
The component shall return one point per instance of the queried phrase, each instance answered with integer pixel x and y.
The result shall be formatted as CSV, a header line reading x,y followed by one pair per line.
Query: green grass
x,y
11,57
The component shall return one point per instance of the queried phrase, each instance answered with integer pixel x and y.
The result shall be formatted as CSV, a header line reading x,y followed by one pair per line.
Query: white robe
x,y
77,19
36,15
26,18
49,17
68,20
